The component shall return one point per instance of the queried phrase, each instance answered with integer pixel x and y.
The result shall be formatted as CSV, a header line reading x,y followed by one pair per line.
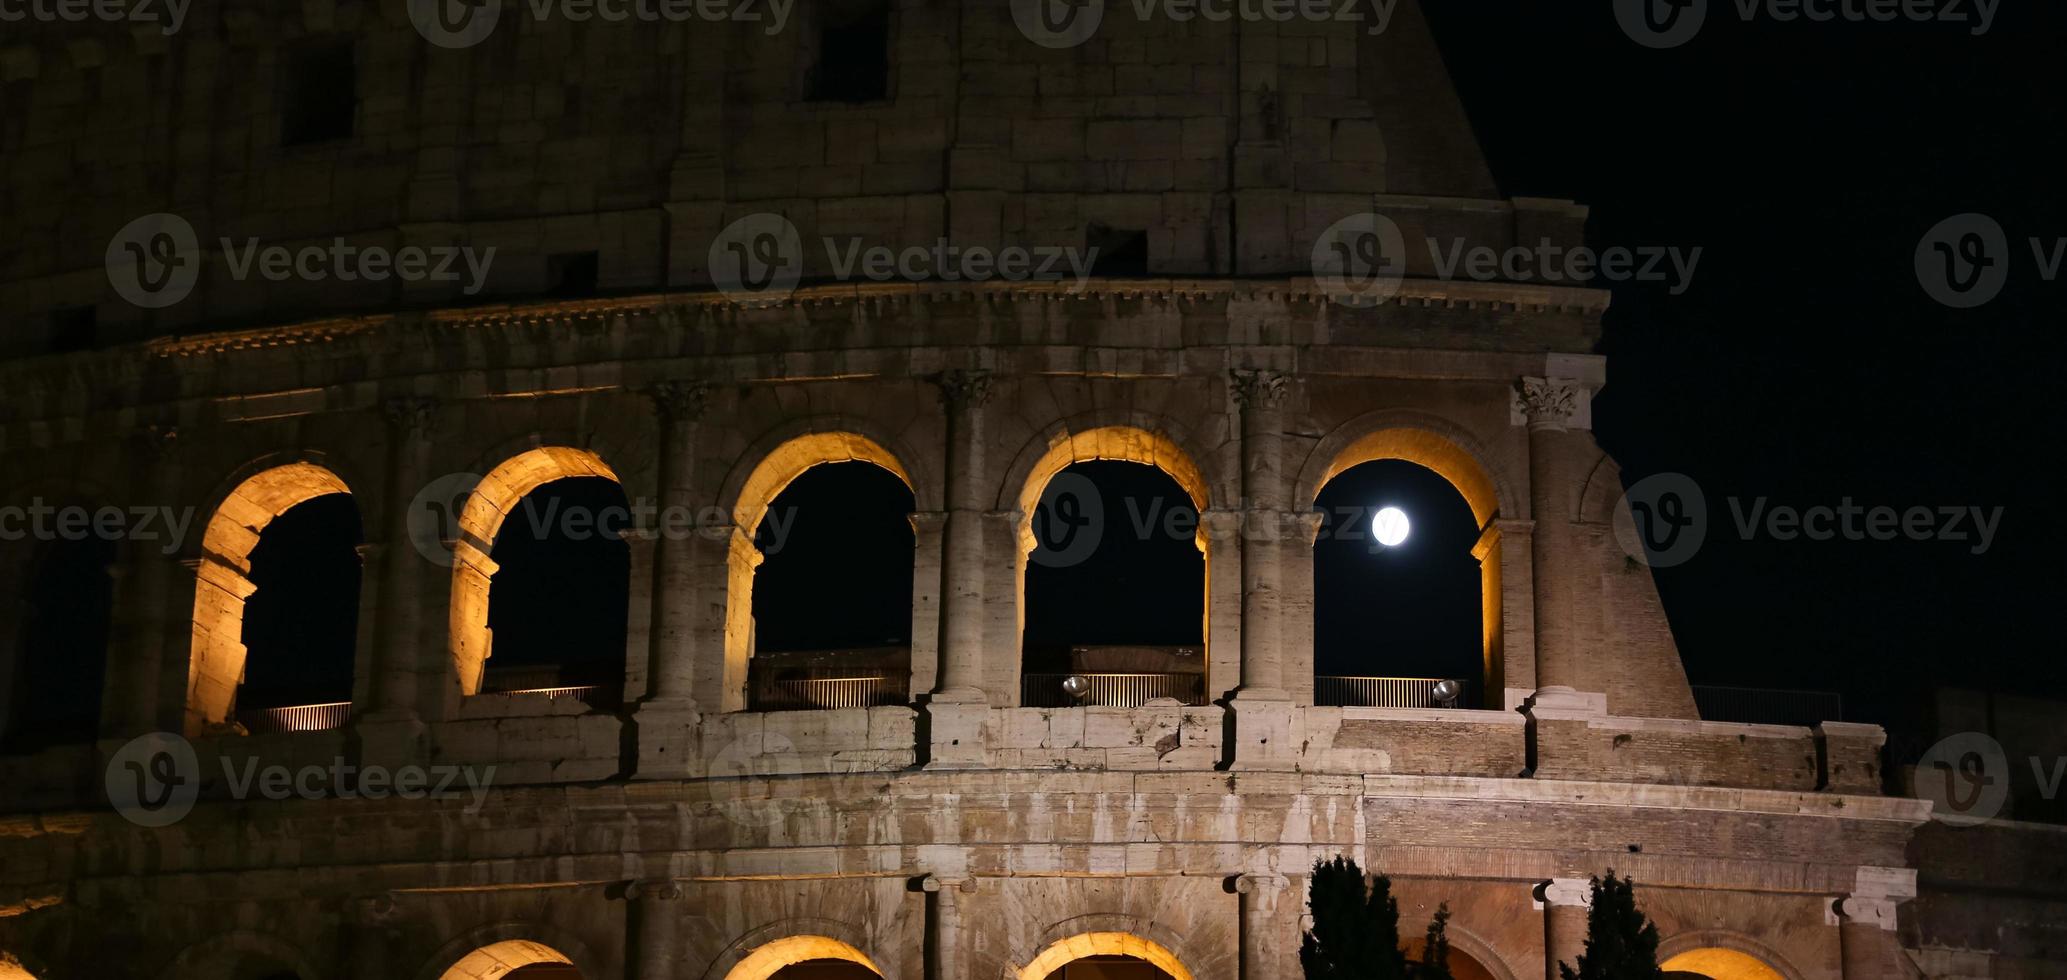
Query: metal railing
x,y
1386,692
1112,690
826,693
298,718
1761,706
592,694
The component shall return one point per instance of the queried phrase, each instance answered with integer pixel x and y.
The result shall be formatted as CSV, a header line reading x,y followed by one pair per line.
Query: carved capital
x,y
410,415
1260,884
936,884
1566,893
157,442
962,390
653,890
679,401
371,911
1859,910
1259,389
1548,403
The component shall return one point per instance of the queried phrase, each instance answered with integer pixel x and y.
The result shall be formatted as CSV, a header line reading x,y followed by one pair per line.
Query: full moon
x,y
1390,526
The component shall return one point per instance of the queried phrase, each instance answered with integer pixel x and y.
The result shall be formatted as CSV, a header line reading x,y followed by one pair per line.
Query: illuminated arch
x,y
1723,955
12,968
1447,450
500,959
491,502
1471,958
772,473
767,960
239,955
222,572
1066,951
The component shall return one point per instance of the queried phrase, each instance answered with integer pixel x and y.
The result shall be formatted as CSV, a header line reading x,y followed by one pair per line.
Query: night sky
x,y
1805,366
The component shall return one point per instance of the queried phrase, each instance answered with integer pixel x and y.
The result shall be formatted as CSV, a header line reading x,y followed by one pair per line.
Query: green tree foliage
x,y
1620,943
1356,930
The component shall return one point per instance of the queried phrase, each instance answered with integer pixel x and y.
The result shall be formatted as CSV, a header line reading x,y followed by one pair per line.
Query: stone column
x,y
1265,940
949,956
391,729
145,608
929,531
1295,606
372,936
1559,577
1565,902
655,918
959,705
1865,920
1222,529
1516,541
1262,707
666,719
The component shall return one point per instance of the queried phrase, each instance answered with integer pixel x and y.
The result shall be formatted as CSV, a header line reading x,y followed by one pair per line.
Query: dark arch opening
x,y
558,603
545,971
832,598
1109,968
301,625
1390,621
1115,589
61,650
826,970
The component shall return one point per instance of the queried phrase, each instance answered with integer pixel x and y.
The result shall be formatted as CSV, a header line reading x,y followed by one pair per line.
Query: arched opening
x,y
805,958
301,625
557,606
832,597
563,607
1718,963
310,563
1455,498
1463,966
1105,956
518,958
1113,573
1396,590
831,513
60,653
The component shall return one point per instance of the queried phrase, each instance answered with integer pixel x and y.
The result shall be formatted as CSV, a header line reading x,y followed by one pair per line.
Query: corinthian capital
x,y
409,415
1259,389
1548,403
961,389
679,401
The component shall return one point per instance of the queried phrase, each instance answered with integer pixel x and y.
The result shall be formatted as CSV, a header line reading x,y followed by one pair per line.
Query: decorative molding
x,y
1566,893
653,889
410,414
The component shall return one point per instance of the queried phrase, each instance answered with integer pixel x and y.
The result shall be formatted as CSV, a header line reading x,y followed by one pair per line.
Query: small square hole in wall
x,y
74,328
851,62
319,92
1119,252
571,275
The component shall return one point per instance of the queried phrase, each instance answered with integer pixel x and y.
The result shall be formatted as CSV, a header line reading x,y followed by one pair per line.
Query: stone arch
x,y
1086,944
240,955
1465,941
491,951
768,959
1600,500
12,968
215,665
1141,439
1450,451
480,518
833,931
1720,954
776,461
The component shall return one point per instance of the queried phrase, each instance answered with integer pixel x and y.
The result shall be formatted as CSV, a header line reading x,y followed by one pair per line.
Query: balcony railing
x,y
593,694
1386,692
1113,690
826,693
1759,706
299,718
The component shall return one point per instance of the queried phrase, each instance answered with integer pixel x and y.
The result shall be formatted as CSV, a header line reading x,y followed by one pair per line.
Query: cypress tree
x,y
1621,944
